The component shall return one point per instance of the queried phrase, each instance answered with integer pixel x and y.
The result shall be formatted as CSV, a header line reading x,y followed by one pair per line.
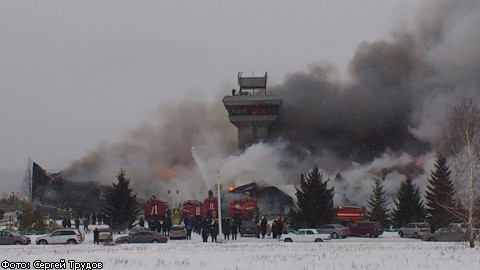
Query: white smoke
x,y
386,122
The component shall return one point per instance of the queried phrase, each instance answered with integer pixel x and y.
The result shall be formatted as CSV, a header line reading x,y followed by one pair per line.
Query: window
x,y
309,232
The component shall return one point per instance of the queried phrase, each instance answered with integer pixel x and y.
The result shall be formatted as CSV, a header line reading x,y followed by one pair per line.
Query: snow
x,y
389,251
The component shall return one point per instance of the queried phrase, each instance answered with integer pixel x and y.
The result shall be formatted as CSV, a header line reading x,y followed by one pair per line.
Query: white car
x,y
62,236
103,234
414,229
305,235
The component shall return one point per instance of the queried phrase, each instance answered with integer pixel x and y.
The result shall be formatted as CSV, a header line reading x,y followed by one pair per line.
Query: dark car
x,y
247,228
143,237
13,238
366,228
446,234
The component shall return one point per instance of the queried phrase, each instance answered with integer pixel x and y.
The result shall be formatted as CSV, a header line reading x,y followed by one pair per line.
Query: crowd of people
x,y
231,227
207,227
95,218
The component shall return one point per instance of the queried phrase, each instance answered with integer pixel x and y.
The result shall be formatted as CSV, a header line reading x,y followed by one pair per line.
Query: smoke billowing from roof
x,y
384,121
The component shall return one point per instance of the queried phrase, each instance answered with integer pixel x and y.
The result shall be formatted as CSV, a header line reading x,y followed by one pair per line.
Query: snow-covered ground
x,y
386,252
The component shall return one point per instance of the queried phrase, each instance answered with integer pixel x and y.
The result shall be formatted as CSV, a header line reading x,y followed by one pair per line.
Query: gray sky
x,y
76,74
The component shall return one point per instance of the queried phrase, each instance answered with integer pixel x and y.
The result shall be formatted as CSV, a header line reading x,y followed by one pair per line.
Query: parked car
x,y
446,234
178,232
62,236
247,227
103,234
13,238
461,226
414,229
137,229
305,235
335,230
143,237
366,228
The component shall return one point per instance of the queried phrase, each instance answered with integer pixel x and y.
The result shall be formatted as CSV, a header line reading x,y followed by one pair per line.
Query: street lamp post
x,y
220,238
172,193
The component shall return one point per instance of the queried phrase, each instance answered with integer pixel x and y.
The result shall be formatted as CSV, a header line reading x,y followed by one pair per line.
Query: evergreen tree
x,y
26,219
293,220
377,204
409,205
439,196
315,200
120,203
32,218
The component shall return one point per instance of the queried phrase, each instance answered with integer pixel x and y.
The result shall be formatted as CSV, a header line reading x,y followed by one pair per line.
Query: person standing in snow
x,y
86,222
205,231
263,226
214,230
77,223
234,229
96,234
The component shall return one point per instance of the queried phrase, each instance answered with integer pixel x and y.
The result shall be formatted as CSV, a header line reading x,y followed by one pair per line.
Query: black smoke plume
x,y
387,117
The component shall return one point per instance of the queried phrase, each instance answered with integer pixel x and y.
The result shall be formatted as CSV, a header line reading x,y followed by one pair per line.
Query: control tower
x,y
252,110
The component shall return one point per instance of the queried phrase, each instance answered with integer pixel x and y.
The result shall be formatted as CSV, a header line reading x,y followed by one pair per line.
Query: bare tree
x,y
465,144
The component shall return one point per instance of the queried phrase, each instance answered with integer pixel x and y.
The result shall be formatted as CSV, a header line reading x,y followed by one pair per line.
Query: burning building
x,y
52,190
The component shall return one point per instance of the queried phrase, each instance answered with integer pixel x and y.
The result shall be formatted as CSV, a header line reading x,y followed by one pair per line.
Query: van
x,y
366,228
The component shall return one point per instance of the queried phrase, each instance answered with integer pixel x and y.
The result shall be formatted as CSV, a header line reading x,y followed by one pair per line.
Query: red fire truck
x,y
154,210
210,206
350,214
192,209
246,208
